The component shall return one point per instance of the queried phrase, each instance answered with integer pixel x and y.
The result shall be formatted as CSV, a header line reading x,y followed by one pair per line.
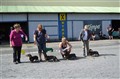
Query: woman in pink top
x,y
16,42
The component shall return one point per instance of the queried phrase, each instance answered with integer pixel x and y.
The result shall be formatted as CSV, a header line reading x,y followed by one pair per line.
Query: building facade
x,y
59,17
60,24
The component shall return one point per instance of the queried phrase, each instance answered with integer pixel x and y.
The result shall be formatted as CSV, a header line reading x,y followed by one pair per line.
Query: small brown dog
x,y
32,58
52,58
93,53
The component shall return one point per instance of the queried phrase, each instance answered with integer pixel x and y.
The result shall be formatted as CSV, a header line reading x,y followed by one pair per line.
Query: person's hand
x,y
48,37
63,53
34,42
10,45
26,39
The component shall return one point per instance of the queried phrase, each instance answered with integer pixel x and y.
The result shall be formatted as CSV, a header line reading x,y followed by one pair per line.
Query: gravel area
x,y
107,66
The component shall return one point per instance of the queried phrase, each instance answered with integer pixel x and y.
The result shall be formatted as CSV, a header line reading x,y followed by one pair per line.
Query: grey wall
x,y
76,21
105,24
49,22
93,16
77,26
13,17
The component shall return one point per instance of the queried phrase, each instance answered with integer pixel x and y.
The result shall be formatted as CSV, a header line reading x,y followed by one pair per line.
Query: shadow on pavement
x,y
108,55
37,61
73,59
30,62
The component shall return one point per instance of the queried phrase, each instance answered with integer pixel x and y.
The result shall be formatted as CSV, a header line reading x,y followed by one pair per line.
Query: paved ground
x,y
106,66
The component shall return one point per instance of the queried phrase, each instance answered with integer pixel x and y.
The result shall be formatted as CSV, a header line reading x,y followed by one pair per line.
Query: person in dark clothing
x,y
100,35
40,39
110,31
93,36
85,36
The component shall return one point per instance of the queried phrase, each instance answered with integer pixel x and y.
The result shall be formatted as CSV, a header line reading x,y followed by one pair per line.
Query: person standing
x,y
16,42
110,31
40,40
85,35
93,36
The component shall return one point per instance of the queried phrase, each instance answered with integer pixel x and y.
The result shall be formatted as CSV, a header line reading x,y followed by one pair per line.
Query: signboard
x,y
62,22
94,25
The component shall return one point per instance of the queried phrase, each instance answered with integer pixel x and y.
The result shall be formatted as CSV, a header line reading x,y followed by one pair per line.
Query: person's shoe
x,y
88,55
65,58
41,60
16,62
19,61
84,55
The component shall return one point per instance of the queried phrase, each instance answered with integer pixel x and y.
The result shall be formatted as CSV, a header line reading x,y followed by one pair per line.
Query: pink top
x,y
15,38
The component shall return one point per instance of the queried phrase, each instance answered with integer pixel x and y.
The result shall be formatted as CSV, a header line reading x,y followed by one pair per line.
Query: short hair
x,y
16,25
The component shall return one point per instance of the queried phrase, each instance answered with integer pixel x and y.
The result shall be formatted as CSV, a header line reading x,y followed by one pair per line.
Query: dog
x,y
72,56
49,49
52,58
93,53
32,58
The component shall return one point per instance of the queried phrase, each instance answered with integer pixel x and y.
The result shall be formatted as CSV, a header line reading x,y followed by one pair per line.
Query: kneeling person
x,y
65,48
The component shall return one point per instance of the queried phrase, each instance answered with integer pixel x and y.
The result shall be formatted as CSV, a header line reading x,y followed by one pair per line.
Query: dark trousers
x,y
86,45
42,49
16,53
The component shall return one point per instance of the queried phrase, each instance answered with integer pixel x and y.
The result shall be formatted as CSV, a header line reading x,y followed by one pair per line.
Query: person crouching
x,y
65,48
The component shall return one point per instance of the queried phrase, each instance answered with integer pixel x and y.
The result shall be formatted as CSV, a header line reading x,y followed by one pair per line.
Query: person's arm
x,y
90,35
11,38
69,44
26,38
112,30
60,45
107,29
60,48
47,36
80,36
34,38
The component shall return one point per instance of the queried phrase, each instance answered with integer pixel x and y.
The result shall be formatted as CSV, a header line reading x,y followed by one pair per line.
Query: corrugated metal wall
x,y
49,22
75,22
13,17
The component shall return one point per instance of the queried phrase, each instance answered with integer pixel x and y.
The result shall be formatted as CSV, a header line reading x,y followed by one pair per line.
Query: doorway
x,y
116,24
5,29
116,27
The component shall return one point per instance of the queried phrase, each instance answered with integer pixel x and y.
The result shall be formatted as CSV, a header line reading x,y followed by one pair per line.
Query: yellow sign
x,y
62,17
